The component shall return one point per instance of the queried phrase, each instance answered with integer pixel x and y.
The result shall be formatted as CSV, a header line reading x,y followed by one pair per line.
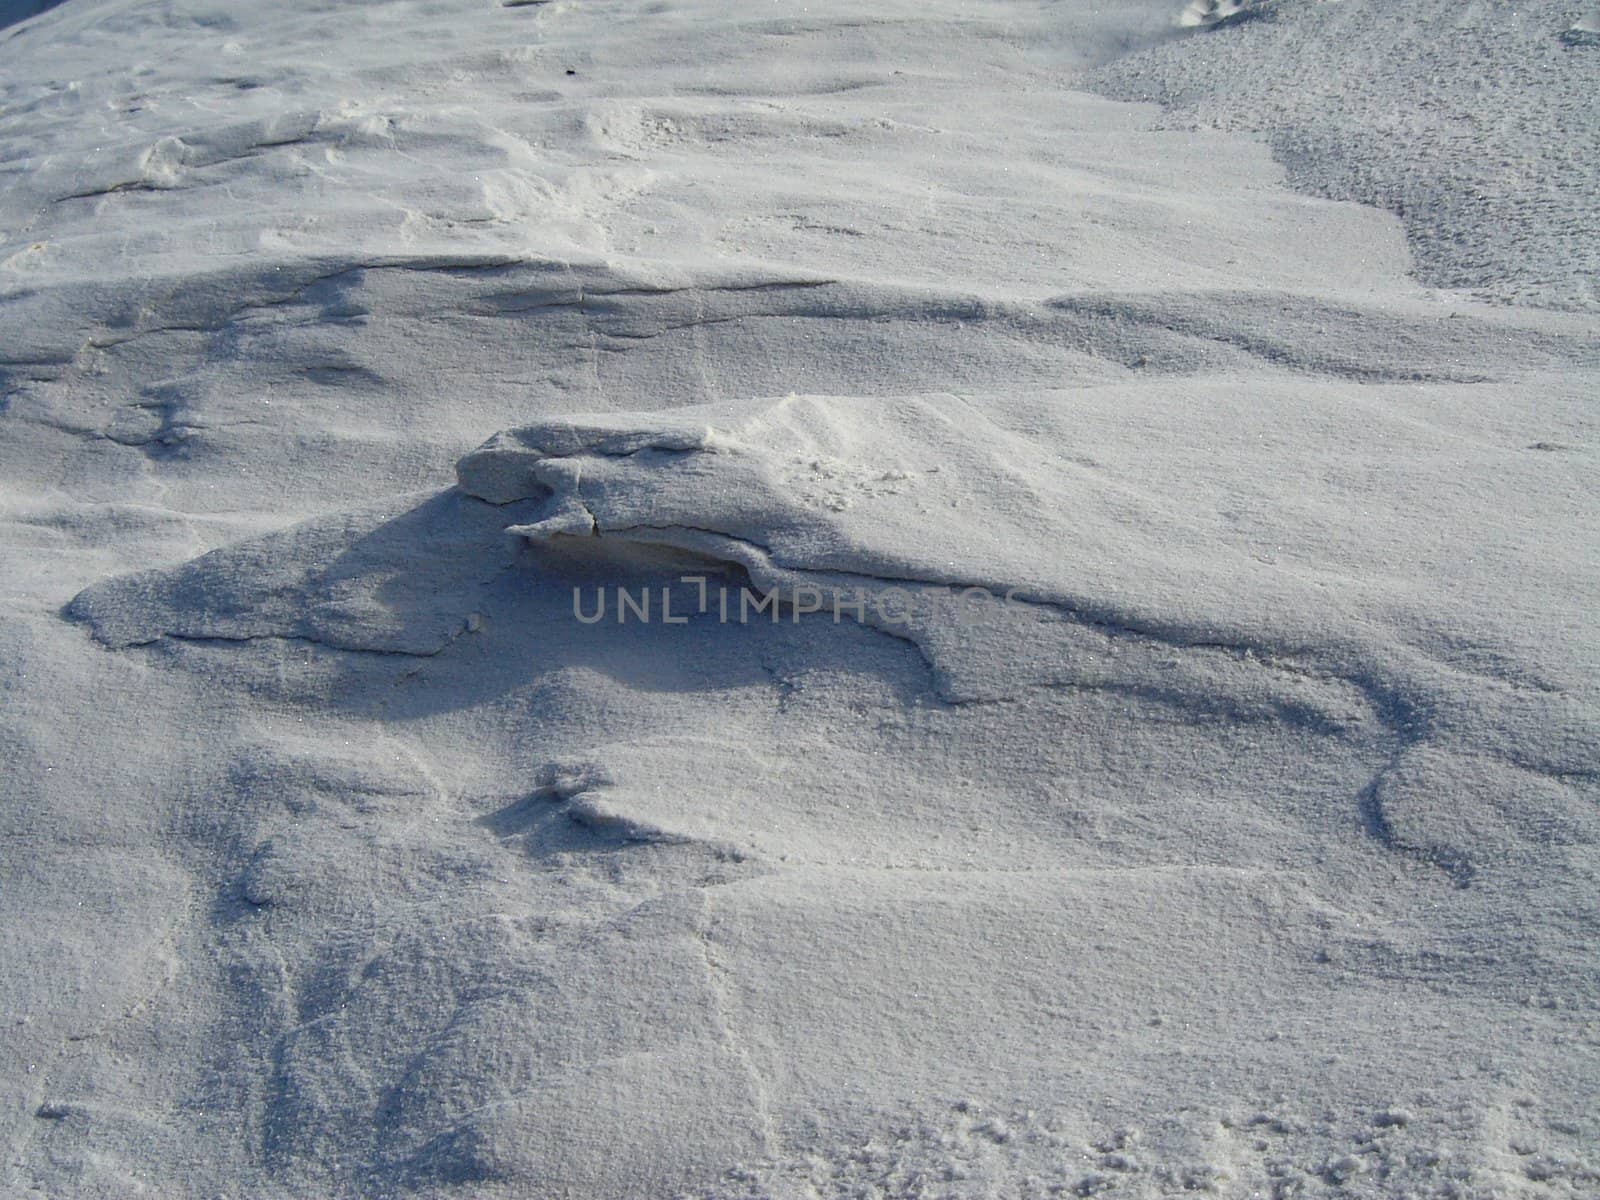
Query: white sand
x,y
1250,848
1476,122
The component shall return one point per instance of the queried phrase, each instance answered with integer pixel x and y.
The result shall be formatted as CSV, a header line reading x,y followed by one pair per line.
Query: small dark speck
x,y
1548,446
570,71
52,1112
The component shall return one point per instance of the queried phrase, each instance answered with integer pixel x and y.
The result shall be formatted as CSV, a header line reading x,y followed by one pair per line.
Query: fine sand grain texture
x,y
637,601
1478,123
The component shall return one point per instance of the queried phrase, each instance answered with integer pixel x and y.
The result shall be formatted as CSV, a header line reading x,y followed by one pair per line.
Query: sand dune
x,y
614,600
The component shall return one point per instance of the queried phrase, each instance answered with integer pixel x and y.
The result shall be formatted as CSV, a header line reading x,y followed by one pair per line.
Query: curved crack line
x,y
1402,718
718,982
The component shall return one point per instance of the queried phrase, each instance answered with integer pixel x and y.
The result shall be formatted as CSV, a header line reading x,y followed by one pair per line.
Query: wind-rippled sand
x,y
1164,759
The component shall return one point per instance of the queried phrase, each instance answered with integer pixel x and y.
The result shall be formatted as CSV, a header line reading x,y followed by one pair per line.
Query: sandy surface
x,y
1166,758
